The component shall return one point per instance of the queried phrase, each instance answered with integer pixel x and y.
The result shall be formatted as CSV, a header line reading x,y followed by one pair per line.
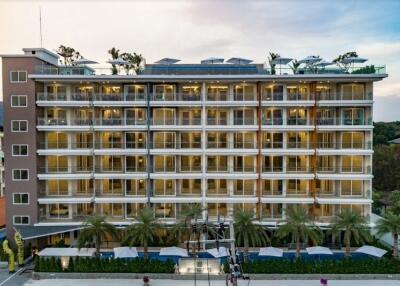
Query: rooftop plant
x,y
68,54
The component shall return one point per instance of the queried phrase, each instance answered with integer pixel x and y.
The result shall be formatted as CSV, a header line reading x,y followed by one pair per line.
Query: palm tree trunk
x,y
297,244
347,243
98,242
246,250
395,244
145,250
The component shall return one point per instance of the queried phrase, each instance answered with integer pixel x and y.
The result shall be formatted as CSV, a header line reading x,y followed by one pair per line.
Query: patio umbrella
x,y
270,251
173,251
316,250
239,61
310,60
125,252
322,63
84,61
281,61
212,60
167,61
118,62
352,60
371,250
218,253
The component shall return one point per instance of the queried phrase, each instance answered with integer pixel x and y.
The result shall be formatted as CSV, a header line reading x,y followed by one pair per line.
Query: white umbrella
x,y
218,253
167,61
84,61
125,252
371,250
239,61
282,61
310,60
270,251
173,251
352,60
322,63
316,250
118,62
212,60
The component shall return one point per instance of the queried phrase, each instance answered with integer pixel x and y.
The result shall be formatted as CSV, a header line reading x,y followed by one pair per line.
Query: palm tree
x,y
354,226
271,58
340,58
295,66
114,55
95,230
300,227
247,231
143,231
390,223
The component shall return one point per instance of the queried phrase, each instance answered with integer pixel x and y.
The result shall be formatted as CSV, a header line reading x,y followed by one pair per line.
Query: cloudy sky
x,y
195,29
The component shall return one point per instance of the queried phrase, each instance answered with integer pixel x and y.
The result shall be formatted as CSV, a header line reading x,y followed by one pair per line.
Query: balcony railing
x,y
164,121
164,169
190,168
298,145
272,145
345,169
175,145
274,97
217,121
345,145
190,121
344,121
298,121
175,97
298,169
65,169
244,97
217,97
272,121
273,169
299,96
244,121
244,169
341,96
217,168
63,121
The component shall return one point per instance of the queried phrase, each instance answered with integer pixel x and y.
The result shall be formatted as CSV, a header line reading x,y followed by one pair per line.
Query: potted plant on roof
x,y
271,58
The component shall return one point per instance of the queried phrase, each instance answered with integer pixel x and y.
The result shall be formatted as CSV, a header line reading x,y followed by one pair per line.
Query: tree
x,y
136,62
340,58
271,58
390,223
248,232
386,169
300,227
354,226
95,230
69,55
295,66
114,55
143,231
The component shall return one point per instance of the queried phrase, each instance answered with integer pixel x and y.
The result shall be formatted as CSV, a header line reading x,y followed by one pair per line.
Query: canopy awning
x,y
371,250
66,251
167,61
239,61
125,252
281,61
270,251
31,232
316,250
173,251
212,60
218,253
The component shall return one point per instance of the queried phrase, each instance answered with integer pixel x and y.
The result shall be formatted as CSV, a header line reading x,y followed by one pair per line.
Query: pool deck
x,y
138,282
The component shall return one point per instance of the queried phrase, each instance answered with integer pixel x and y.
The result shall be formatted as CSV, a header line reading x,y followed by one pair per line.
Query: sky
x,y
192,30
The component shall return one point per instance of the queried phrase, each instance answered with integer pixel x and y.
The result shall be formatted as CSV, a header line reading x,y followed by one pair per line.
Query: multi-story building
x,y
2,198
225,136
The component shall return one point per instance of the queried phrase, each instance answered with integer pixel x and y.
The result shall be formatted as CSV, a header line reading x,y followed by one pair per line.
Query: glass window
x,y
20,174
20,198
18,76
21,220
18,101
272,187
19,125
20,150
136,187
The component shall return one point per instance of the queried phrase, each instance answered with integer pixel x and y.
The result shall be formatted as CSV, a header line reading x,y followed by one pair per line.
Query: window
x,y
19,125
20,150
21,219
18,76
20,174
18,101
20,198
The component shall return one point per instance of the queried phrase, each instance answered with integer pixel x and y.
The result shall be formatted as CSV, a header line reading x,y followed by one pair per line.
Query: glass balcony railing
x,y
65,169
298,121
217,168
272,97
244,121
344,121
244,169
217,121
272,121
344,96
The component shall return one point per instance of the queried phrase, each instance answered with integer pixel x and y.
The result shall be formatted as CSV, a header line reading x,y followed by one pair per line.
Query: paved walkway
x,y
108,282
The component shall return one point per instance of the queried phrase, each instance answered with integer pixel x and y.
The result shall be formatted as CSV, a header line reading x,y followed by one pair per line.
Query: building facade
x,y
225,136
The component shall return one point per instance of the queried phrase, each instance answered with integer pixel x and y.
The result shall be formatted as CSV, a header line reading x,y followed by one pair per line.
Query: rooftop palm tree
x,y
300,227
248,232
114,55
68,54
95,230
390,223
354,226
143,231
295,66
340,58
271,58
136,62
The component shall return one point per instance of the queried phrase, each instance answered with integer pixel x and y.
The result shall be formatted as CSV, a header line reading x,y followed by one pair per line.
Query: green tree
x,y
386,169
248,232
114,55
353,225
300,227
68,54
271,58
390,223
340,58
135,62
95,231
143,231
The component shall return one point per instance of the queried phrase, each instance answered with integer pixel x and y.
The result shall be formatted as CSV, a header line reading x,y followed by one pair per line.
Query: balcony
x,y
217,168
361,121
272,121
244,169
175,97
65,169
346,145
298,121
299,96
217,121
244,121
272,97
332,96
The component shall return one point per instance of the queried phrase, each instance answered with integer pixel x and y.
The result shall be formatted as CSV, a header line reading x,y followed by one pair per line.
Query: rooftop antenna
x,y
40,25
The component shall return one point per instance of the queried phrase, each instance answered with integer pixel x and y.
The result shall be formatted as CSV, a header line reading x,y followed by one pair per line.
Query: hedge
x,y
342,266
101,265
